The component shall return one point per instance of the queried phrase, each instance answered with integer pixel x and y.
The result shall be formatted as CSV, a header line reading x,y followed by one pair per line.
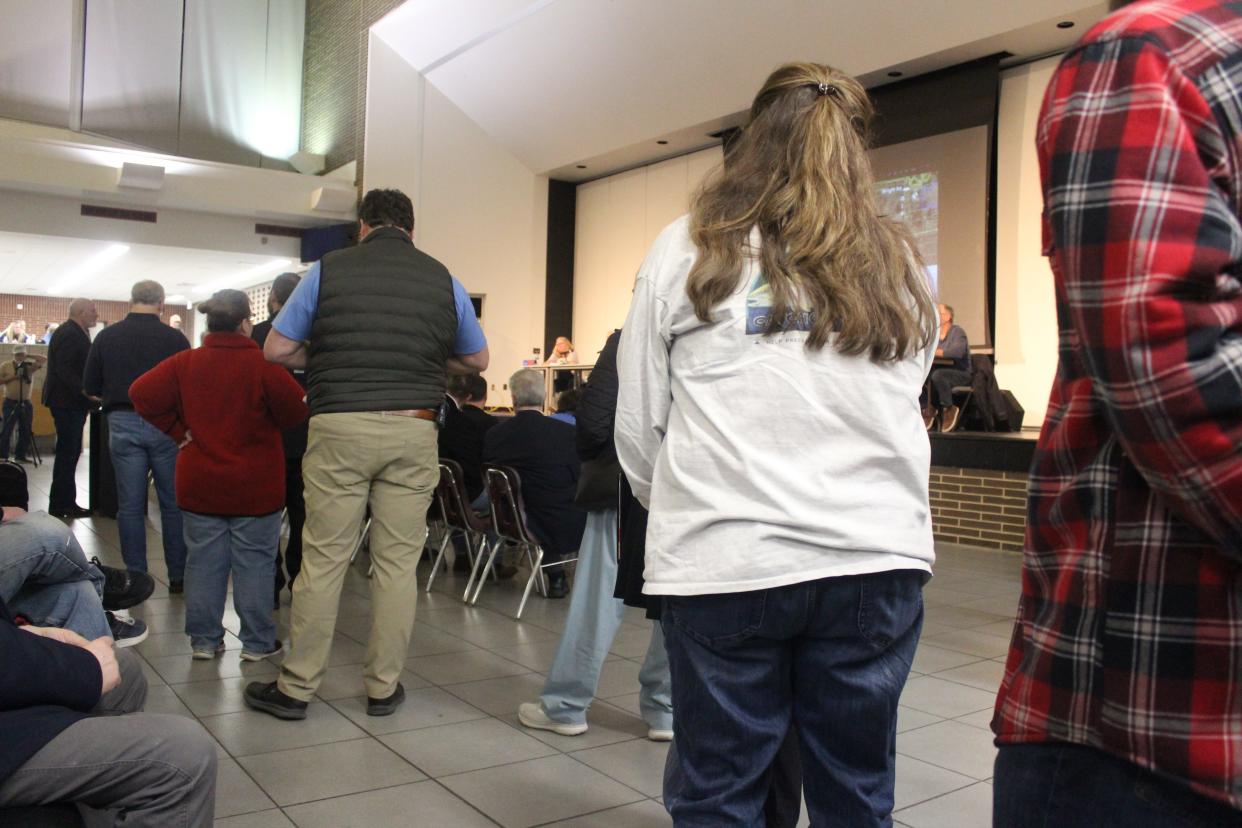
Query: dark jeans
x,y
828,658
69,424
943,381
295,508
1071,786
11,419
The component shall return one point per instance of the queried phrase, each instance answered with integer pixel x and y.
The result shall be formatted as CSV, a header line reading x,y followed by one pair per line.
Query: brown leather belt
x,y
417,413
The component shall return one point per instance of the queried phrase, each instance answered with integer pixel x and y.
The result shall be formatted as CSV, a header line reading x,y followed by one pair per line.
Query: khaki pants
x,y
391,463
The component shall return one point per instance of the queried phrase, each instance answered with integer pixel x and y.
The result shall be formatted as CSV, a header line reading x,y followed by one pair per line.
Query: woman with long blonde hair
x,y
769,416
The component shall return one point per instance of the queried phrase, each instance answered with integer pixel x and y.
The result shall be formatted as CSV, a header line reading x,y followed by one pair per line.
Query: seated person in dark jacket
x,y
953,345
542,452
465,424
71,731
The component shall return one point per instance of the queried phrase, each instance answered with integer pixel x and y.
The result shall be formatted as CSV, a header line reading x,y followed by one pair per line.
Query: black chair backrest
x,y
454,503
504,486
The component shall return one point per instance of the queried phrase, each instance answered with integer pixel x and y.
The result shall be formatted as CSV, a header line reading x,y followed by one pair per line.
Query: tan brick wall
x,y
334,76
979,508
40,310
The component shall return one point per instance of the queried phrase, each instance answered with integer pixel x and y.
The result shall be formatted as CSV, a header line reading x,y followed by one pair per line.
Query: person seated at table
x,y
563,353
954,346
16,333
541,450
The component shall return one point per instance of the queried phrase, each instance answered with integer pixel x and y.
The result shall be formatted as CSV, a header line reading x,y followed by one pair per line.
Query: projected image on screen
x,y
915,201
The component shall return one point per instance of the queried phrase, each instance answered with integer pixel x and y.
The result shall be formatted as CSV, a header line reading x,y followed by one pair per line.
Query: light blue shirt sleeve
x,y
296,317
470,339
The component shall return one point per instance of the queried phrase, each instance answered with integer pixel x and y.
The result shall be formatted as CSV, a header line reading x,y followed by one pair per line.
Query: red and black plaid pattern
x,y
1129,633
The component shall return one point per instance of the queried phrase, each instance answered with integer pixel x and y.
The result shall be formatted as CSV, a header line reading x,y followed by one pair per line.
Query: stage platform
x,y
1009,451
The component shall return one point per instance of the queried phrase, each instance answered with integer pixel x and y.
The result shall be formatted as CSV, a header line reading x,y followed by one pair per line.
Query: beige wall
x,y
1026,322
617,220
619,216
477,208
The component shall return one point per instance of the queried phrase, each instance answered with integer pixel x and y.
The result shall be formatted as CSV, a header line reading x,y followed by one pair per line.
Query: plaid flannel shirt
x,y
1129,632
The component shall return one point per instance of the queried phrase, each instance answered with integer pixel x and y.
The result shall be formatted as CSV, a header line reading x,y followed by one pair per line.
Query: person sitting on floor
x,y
541,450
46,579
73,731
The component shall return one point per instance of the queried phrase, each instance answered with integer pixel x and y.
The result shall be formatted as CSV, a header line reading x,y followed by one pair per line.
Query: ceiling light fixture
x,y
89,267
247,277
175,299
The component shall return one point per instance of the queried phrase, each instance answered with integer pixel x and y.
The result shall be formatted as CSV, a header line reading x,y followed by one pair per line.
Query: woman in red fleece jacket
x,y
225,406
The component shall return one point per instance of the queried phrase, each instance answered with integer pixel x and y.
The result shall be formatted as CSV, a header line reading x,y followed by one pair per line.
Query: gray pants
x,y
147,769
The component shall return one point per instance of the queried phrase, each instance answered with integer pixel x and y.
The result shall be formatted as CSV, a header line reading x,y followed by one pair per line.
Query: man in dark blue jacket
x,y
71,731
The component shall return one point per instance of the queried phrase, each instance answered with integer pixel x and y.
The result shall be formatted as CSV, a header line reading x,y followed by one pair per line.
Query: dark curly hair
x,y
381,208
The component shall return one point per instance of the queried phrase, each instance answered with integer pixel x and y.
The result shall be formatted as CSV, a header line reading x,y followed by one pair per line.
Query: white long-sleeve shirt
x,y
763,464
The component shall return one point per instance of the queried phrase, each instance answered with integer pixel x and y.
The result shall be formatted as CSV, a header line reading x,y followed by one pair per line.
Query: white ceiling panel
x,y
564,82
32,264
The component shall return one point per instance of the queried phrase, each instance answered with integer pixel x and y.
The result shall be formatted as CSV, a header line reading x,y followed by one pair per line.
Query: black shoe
x,y
70,512
176,587
558,586
124,588
126,632
386,707
266,696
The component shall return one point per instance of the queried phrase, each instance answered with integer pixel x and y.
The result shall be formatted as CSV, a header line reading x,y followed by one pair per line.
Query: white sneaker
x,y
655,734
207,655
531,715
252,655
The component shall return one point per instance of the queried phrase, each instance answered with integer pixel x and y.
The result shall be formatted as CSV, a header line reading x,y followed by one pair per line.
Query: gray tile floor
x,y
455,754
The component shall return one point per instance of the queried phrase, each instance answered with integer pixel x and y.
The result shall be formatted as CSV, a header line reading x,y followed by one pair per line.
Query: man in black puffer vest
x,y
377,327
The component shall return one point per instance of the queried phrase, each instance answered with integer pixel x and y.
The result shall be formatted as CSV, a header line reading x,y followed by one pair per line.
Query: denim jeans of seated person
x,y
44,576
828,658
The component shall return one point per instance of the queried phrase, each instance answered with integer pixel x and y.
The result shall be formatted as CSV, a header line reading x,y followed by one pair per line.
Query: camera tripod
x,y
25,418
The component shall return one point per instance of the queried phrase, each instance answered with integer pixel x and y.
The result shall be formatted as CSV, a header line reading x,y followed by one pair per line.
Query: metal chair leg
x,y
475,561
536,572
435,562
483,577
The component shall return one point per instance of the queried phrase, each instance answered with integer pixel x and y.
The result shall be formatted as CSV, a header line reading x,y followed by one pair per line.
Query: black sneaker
x,y
70,512
176,587
266,696
126,632
124,588
386,707
558,586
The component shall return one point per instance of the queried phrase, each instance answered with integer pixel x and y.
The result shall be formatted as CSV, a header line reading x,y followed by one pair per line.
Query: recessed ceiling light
x,y
582,166
895,74
661,141
1066,24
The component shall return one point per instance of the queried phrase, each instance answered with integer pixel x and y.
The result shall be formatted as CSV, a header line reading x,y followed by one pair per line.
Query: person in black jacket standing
x,y
294,440
63,395
594,614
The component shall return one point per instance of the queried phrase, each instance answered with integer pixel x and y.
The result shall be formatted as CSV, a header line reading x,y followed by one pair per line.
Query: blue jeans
x,y
594,618
828,658
138,447
69,424
246,546
44,575
16,414
1072,786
